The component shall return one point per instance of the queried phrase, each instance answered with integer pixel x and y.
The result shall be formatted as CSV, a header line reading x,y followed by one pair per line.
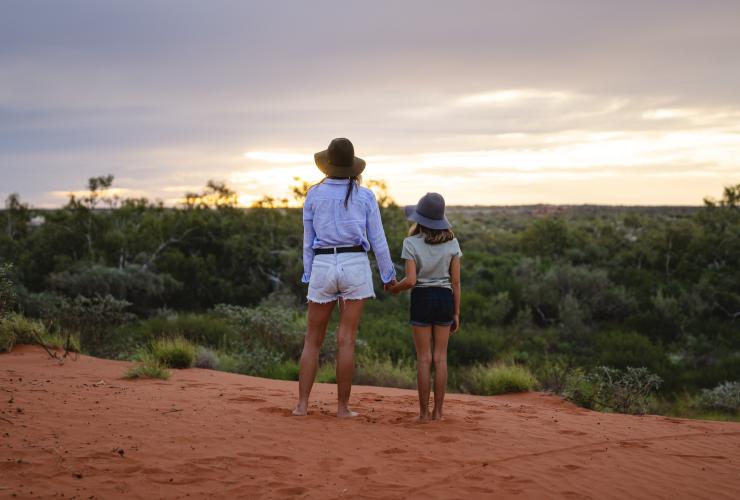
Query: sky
x,y
487,102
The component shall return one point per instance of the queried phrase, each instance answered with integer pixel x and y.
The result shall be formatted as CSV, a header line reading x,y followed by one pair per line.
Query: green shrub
x,y
287,370
148,367
619,349
384,373
174,353
7,338
552,373
724,397
7,290
581,388
327,374
274,328
257,361
496,379
227,362
17,329
604,388
206,359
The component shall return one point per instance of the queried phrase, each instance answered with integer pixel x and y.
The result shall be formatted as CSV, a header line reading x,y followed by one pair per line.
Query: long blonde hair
x,y
431,236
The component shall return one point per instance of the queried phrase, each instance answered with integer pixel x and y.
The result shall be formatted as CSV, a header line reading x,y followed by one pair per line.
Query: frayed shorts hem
x,y
334,299
438,323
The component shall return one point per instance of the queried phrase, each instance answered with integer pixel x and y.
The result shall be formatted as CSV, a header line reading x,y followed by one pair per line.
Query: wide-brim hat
x,y
429,212
339,159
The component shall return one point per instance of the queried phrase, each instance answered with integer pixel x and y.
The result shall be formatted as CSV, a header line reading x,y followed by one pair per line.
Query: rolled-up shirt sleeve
x,y
376,237
309,234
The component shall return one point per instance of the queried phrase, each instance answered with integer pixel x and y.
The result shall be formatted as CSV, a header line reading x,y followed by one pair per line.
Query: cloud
x,y
468,95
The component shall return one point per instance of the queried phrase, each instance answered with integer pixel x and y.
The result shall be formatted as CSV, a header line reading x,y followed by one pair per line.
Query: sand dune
x,y
79,430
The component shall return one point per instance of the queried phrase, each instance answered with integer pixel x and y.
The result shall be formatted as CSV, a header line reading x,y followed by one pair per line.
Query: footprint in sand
x,y
365,471
276,410
632,444
574,495
572,433
293,491
393,451
572,467
248,399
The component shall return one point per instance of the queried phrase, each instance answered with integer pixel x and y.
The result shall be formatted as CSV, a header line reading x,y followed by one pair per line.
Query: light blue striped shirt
x,y
327,223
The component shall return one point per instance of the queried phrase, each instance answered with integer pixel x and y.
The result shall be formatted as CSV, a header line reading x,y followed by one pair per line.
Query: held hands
x,y
388,287
455,323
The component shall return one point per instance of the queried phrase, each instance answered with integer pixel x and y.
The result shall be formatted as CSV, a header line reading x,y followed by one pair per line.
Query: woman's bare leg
x,y
349,320
423,344
441,337
318,320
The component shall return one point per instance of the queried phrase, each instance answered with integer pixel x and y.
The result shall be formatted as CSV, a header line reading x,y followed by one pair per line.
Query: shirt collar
x,y
336,181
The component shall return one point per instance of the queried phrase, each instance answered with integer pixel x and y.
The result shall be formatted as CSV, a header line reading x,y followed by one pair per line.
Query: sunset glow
x,y
573,112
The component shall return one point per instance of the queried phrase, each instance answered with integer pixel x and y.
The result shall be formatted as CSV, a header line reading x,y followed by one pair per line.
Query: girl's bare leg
x,y
349,319
441,337
423,344
318,320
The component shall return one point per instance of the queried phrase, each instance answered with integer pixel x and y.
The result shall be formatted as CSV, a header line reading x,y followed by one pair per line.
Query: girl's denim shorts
x,y
431,306
340,276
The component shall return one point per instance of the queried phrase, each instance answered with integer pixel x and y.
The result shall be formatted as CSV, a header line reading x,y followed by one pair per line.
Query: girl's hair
x,y
352,185
431,236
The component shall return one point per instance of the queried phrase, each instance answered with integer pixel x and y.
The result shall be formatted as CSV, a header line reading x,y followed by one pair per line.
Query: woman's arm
x,y
409,281
455,278
309,234
376,237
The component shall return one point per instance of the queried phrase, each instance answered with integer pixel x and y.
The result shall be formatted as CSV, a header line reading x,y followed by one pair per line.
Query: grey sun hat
x,y
429,212
339,159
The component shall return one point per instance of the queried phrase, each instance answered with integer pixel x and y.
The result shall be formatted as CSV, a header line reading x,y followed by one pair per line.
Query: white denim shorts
x,y
341,275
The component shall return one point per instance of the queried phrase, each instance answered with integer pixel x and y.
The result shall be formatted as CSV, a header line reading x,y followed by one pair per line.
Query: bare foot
x,y
300,411
347,413
438,417
423,419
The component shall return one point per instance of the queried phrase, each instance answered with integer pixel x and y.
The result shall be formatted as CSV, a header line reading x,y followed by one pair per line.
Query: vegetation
x,y
647,293
611,389
496,379
148,367
173,353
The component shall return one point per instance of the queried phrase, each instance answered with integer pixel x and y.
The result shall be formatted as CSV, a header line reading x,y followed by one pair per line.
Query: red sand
x,y
80,431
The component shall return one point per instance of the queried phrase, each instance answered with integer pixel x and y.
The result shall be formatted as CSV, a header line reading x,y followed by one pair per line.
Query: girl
x,y
432,256
341,222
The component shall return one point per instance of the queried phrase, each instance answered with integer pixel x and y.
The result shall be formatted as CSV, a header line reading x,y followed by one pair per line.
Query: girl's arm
x,y
409,281
455,278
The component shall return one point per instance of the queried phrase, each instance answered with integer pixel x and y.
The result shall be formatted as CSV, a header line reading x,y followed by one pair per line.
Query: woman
x,y
341,222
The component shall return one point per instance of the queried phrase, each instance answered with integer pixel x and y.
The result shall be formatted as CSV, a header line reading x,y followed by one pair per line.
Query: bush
x,y
274,328
384,373
287,370
725,397
618,349
257,361
7,290
496,379
173,353
133,283
149,367
17,329
206,359
623,391
327,374
92,319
